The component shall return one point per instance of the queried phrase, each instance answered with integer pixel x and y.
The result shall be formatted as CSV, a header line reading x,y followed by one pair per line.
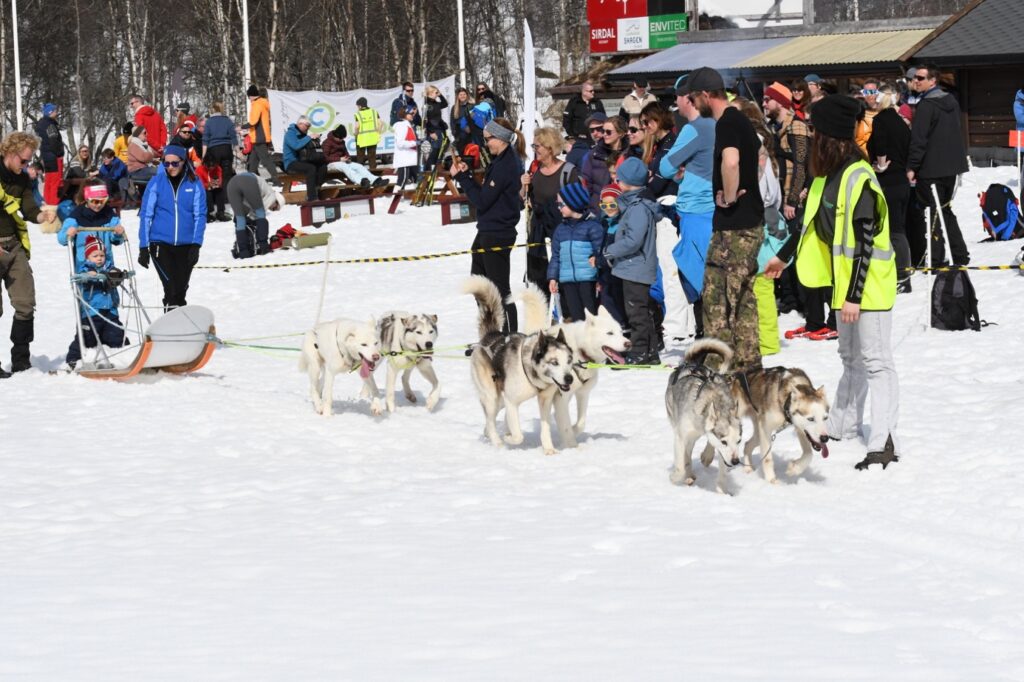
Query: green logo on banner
x,y
321,117
664,28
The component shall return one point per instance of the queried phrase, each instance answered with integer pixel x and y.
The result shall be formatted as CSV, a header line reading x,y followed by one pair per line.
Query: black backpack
x,y
954,304
1000,213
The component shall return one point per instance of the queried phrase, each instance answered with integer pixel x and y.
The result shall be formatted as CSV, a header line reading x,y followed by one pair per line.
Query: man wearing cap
x,y
51,148
579,110
637,99
580,147
730,309
368,128
937,156
259,134
692,155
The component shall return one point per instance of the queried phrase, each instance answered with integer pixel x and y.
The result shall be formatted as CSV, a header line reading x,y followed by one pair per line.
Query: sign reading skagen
x,y
633,34
663,30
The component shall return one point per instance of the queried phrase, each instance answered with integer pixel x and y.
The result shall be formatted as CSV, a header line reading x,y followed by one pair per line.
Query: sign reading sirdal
x,y
630,25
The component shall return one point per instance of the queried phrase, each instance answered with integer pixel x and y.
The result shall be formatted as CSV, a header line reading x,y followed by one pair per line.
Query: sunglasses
x,y
868,92
172,164
409,91
920,78
25,162
96,202
609,205
609,132
597,129
633,130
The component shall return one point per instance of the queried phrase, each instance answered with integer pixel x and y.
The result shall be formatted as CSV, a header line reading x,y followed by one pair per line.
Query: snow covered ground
x,y
212,527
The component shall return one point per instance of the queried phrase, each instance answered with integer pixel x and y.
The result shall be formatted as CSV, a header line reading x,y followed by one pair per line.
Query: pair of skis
x,y
424,194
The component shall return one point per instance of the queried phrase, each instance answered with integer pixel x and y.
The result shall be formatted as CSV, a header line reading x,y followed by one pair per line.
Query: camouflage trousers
x,y
730,306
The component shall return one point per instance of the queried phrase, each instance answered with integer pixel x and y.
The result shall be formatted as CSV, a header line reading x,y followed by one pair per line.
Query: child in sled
x,y
98,281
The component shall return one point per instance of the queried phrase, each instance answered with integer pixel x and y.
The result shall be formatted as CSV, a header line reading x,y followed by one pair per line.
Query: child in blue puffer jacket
x,y
100,322
575,246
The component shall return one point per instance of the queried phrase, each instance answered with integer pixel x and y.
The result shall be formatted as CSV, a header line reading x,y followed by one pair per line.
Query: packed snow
x,y
212,527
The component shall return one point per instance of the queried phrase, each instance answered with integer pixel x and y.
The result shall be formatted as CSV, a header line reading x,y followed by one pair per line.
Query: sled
x,y
181,341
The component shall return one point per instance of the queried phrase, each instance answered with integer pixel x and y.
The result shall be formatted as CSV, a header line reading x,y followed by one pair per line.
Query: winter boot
x,y
4,374
885,457
22,334
244,244
262,229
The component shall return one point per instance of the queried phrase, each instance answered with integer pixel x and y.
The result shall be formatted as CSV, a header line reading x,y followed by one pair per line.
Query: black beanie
x,y
252,91
340,132
836,116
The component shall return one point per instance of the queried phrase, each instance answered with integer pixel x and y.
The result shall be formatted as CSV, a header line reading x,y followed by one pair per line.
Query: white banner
x,y
325,110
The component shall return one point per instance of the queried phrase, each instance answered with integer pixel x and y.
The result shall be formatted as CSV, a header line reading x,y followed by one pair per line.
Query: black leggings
x,y
496,266
174,266
315,174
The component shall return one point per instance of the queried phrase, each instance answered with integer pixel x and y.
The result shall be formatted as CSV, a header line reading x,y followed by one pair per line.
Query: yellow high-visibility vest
x,y
831,265
368,122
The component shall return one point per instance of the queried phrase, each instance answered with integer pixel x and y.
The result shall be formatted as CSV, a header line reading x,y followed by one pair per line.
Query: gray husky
x,y
700,403
596,339
408,343
774,399
509,370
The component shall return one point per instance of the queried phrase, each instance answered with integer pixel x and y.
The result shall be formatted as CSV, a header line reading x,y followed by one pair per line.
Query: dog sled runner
x,y
180,341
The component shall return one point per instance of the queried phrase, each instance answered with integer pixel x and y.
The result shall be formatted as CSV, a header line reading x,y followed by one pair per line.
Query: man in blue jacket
x,y
113,172
313,166
172,222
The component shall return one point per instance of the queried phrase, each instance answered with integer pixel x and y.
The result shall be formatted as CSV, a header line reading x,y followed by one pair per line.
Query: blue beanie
x,y
575,197
49,109
633,172
176,150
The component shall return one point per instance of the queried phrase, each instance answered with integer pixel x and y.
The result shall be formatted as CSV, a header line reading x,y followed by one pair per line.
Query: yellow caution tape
x,y
359,261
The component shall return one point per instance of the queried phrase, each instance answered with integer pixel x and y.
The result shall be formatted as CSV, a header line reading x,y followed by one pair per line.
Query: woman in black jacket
x,y
498,206
888,148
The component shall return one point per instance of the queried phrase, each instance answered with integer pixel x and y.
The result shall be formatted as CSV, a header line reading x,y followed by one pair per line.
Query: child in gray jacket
x,y
634,261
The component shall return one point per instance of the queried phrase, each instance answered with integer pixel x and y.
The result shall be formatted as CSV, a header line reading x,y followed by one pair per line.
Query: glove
x,y
144,257
193,254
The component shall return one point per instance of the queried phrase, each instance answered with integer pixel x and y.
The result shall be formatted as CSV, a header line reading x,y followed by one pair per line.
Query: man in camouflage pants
x,y
730,308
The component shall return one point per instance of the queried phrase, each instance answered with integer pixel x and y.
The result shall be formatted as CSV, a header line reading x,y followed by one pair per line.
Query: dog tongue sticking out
x,y
613,355
824,450
365,368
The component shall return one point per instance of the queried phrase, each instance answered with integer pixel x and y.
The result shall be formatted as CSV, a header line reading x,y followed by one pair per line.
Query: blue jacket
x,y
114,171
632,255
172,217
294,140
219,130
694,150
83,216
572,245
497,200
400,103
97,297
1018,109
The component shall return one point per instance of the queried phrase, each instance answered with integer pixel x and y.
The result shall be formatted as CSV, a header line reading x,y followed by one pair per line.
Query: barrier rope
x,y
964,268
362,261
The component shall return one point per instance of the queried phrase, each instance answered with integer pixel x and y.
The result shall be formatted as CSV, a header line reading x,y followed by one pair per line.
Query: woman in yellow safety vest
x,y
367,130
845,245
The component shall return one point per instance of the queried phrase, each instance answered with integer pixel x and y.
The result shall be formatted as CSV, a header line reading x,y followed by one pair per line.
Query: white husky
x,y
595,339
336,347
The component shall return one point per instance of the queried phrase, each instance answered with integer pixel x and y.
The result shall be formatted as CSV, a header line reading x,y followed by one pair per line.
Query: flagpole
x,y
462,48
17,67
245,41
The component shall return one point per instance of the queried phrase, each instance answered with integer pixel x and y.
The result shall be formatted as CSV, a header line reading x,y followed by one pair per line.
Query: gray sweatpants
x,y
244,196
865,347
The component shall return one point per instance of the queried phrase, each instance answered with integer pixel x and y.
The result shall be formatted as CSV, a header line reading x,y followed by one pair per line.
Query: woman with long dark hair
x,y
498,205
597,164
845,244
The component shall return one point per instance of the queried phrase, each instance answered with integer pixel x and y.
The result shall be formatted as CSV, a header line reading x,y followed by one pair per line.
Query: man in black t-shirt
x,y
730,309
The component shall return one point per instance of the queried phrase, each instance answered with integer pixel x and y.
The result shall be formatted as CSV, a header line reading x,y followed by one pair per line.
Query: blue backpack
x,y
1000,213
481,114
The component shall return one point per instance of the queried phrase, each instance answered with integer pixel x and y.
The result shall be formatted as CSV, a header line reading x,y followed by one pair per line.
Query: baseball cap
x,y
701,79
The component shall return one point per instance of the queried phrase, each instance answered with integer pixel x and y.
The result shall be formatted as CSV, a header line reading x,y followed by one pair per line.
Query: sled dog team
x,y
550,364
